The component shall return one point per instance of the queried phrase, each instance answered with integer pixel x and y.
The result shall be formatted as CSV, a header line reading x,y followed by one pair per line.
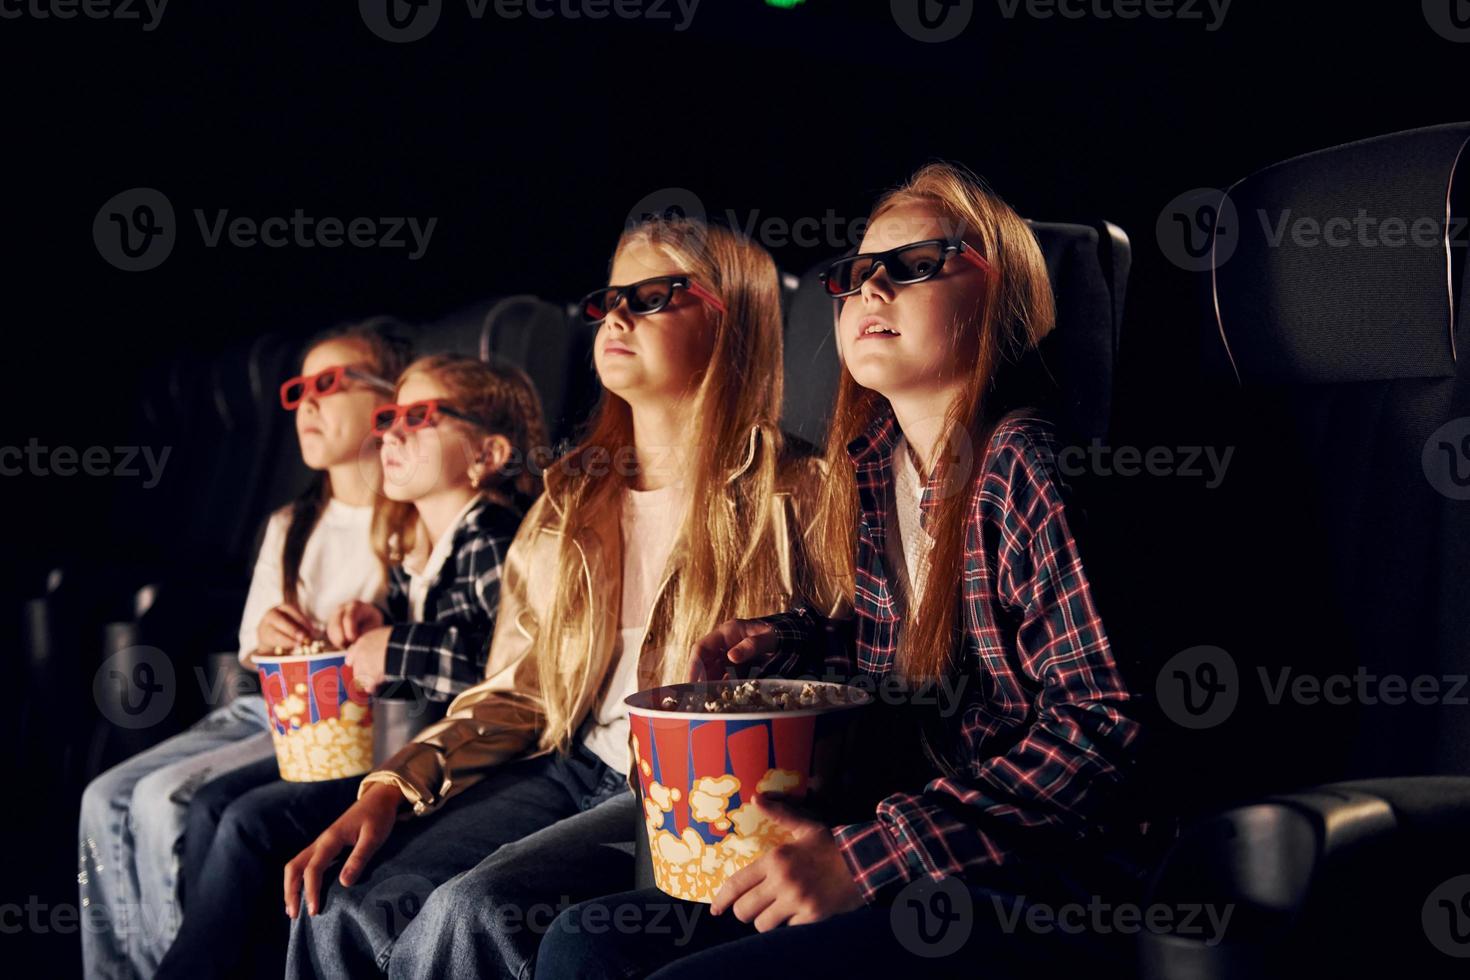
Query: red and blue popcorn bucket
x,y
703,750
321,723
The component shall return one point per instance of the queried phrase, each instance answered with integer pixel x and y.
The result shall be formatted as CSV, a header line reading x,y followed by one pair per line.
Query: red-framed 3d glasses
x,y
644,297
417,415
325,383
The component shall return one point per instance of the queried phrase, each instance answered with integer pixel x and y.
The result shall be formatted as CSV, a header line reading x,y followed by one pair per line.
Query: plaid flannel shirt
x,y
1044,735
445,653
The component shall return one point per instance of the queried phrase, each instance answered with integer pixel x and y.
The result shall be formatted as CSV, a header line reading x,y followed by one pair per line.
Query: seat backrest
x,y
1070,373
553,348
1335,311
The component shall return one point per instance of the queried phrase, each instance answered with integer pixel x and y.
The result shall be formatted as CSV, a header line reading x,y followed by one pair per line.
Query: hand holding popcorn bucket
x,y
703,750
321,722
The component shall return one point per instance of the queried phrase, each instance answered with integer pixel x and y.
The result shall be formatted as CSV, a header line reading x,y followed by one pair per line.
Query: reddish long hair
x,y
1014,314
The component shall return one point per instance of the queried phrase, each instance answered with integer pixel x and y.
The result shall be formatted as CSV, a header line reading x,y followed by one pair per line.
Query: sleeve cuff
x,y
396,659
874,857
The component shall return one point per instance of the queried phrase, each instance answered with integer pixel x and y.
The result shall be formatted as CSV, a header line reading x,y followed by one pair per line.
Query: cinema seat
x,y
1339,374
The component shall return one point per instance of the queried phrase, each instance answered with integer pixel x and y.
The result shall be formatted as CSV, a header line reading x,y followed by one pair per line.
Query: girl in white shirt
x,y
316,555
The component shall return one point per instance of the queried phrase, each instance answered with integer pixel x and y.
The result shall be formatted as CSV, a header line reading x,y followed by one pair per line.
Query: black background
x,y
530,140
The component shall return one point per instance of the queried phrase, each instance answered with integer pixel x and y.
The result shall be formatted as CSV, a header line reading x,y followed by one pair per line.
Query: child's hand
x,y
804,881
284,626
351,620
364,828
368,656
747,643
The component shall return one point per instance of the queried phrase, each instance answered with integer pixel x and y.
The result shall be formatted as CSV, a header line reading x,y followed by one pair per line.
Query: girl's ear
x,y
495,452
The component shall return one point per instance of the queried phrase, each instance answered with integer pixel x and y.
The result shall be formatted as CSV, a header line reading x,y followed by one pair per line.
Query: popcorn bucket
x,y
703,750
322,725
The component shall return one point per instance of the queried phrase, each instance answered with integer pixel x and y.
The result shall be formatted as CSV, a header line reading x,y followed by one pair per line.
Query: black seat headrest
x,y
1325,250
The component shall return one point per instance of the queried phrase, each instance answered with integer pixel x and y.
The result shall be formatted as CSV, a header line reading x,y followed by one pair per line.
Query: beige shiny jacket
x,y
499,719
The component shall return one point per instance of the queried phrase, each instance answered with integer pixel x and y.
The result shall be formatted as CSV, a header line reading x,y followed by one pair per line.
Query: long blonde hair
x,y
728,531
1015,313
505,399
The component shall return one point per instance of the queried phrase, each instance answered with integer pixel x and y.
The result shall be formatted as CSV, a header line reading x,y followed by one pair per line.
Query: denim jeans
x,y
1022,926
868,942
131,829
469,890
250,823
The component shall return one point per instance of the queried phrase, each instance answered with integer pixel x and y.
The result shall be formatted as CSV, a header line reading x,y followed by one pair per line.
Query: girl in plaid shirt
x,y
456,479
966,579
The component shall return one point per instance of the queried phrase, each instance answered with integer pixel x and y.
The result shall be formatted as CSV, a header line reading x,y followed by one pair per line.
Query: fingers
x,y
321,854
758,644
370,837
760,904
292,881
296,617
738,884
334,630
279,630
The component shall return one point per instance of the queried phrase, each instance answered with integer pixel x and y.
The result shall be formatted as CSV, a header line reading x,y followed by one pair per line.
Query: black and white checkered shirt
x,y
446,652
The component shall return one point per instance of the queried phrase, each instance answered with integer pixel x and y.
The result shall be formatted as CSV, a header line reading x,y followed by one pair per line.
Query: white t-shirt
x,y
337,565
650,524
907,543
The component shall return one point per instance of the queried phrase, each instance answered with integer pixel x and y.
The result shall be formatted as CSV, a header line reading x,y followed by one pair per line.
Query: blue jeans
x,y
469,890
131,830
946,929
249,823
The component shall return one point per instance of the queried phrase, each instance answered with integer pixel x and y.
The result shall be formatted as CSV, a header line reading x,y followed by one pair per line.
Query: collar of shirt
x,y
419,581
872,456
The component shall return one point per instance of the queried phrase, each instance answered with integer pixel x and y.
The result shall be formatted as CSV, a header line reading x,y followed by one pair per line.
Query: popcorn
x,y
691,869
330,749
